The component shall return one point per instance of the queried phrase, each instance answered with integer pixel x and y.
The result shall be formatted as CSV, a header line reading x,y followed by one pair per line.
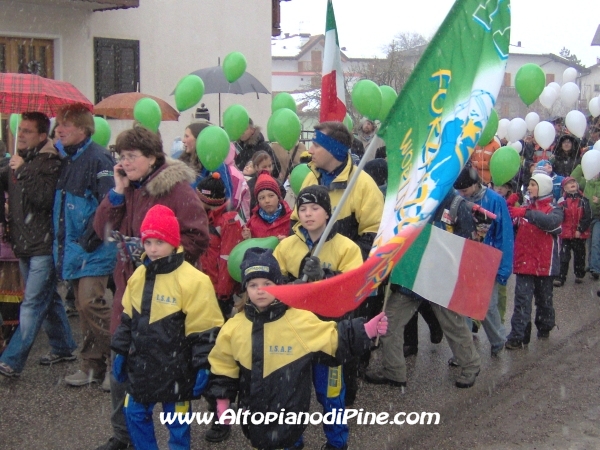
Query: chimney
x,y
518,43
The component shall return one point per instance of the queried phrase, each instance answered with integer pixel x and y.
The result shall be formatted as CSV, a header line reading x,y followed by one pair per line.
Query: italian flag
x,y
449,270
333,96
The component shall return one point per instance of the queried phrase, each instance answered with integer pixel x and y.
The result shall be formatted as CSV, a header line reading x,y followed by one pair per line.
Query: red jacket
x,y
578,216
281,226
536,245
225,232
168,186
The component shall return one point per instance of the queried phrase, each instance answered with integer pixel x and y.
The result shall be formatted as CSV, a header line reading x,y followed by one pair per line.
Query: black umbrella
x,y
216,83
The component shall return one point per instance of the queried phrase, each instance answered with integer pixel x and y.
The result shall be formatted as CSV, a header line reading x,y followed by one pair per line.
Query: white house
x,y
109,46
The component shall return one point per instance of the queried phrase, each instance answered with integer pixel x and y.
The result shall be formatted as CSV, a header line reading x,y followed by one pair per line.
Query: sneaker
x,y
80,378
543,334
496,351
105,386
595,276
217,433
558,283
327,446
514,344
8,371
578,280
51,358
453,362
466,380
375,377
410,350
115,444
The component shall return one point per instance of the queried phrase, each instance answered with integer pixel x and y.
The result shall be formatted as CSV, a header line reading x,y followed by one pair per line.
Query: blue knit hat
x,y
260,263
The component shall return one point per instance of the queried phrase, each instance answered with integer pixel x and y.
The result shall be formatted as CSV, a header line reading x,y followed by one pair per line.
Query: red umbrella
x,y
24,92
120,106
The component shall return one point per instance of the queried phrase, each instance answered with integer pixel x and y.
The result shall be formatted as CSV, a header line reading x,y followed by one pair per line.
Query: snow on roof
x,y
288,46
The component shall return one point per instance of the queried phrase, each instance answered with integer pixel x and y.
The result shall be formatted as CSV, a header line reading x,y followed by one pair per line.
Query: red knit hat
x,y
160,223
266,181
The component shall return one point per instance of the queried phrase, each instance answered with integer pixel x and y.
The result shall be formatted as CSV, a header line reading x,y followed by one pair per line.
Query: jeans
x,y
41,306
595,247
492,324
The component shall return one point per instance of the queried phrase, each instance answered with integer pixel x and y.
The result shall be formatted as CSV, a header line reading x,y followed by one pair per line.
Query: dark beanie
x,y
260,263
315,194
211,190
378,169
466,178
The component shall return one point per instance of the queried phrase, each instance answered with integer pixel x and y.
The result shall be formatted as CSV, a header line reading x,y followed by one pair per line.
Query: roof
x,y
295,46
596,39
522,51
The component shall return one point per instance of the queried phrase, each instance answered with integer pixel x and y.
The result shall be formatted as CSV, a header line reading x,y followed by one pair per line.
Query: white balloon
x,y
532,119
569,75
594,106
569,93
576,123
502,128
516,129
590,164
544,134
548,97
516,145
554,85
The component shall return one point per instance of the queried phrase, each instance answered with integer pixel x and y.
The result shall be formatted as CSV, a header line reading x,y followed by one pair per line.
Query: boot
x,y
527,336
217,433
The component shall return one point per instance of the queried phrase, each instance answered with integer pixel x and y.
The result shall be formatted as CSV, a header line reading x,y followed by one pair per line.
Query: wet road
x,y
542,397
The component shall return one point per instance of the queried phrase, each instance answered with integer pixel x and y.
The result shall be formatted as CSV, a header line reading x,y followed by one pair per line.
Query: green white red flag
x,y
430,133
333,93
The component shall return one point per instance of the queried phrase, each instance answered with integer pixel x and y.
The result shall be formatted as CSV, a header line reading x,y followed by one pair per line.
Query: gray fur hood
x,y
166,177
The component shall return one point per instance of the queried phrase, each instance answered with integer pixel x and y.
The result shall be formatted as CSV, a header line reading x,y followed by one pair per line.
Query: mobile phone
x,y
121,172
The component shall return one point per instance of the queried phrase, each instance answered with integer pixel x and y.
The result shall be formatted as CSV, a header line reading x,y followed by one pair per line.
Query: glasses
x,y
129,158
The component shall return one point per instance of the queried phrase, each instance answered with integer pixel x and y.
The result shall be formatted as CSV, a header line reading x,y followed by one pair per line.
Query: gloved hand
x,y
516,212
130,248
119,368
222,406
377,325
312,269
201,382
512,199
298,281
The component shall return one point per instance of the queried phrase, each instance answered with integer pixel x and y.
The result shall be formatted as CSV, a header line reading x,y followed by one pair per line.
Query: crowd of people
x,y
178,326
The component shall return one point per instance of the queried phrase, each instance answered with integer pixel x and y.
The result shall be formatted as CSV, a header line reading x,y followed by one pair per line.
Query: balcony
x,y
93,5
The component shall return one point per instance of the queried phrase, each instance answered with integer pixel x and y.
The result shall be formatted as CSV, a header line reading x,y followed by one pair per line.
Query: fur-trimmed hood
x,y
171,173
256,137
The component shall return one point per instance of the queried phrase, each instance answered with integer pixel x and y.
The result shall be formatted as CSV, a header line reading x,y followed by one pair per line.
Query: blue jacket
x,y
500,234
86,177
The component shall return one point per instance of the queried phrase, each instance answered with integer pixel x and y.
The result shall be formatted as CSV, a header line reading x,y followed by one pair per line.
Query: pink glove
x,y
377,325
222,406
516,212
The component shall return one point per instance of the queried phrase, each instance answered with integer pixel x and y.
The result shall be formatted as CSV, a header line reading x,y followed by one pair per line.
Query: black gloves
x,y
312,269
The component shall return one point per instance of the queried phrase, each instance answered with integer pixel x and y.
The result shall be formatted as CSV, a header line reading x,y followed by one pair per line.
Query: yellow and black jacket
x,y
168,327
361,213
266,357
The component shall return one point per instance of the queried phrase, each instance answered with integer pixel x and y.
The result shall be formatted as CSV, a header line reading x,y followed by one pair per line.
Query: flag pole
x,y
386,296
371,148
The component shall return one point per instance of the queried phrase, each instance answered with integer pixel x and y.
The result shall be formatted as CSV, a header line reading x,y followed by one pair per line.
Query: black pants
x,y
411,329
578,248
527,288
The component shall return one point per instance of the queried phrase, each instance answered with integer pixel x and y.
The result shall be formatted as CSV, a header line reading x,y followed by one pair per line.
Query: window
x,y
597,88
549,78
116,66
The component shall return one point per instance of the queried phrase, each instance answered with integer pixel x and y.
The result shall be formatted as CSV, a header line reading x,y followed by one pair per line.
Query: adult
x,y
79,254
367,132
249,143
566,155
404,303
30,179
189,155
498,234
143,178
287,160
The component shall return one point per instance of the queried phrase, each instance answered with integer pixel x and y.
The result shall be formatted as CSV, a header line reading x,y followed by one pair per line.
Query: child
x,y
271,217
575,230
261,162
545,166
338,254
167,330
225,232
535,261
265,354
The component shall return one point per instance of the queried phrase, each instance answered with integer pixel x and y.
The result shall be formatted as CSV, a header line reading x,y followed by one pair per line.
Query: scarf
x,y
270,218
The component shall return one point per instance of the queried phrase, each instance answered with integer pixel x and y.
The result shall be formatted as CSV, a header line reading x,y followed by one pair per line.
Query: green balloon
x,y
283,100
188,92
530,81
14,123
286,128
237,254
101,134
235,121
212,147
348,122
270,132
367,98
234,66
297,177
489,131
147,112
388,98
504,165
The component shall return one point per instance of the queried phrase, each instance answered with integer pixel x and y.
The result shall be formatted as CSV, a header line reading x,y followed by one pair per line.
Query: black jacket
x,y
245,151
30,200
